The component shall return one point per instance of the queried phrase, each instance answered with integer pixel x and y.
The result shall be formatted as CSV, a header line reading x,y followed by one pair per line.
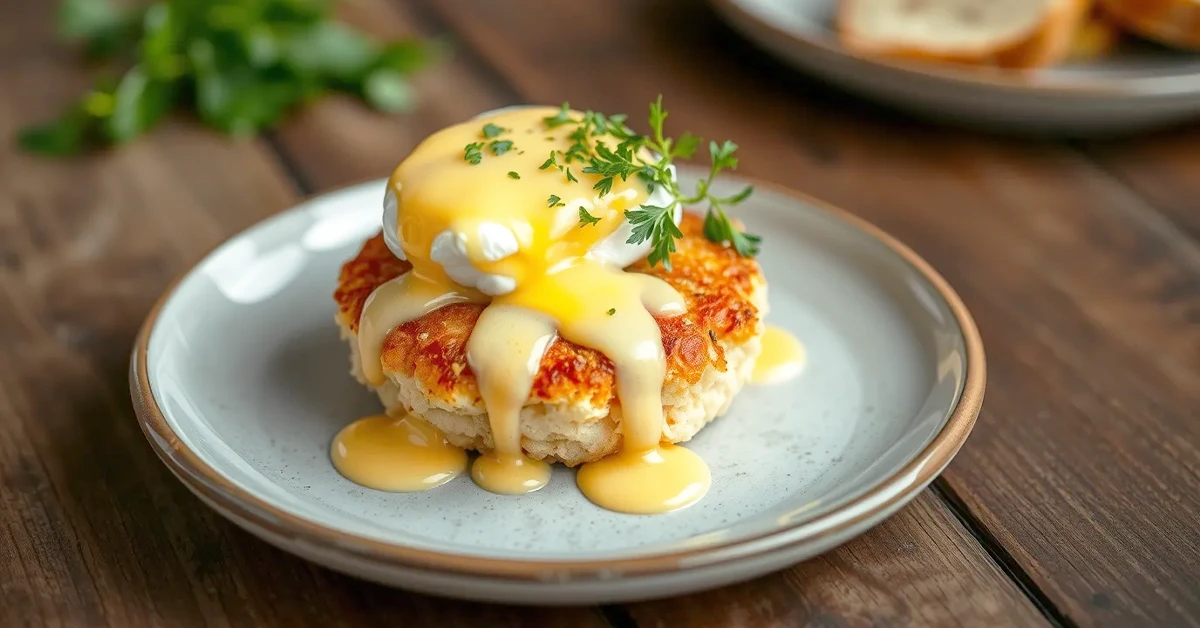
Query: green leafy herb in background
x,y
240,65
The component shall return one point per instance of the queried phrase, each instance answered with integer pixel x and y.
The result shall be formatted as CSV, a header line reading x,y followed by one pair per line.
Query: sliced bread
x,y
1003,33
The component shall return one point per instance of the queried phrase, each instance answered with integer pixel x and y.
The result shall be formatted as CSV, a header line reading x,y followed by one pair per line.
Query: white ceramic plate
x,y
1138,86
240,382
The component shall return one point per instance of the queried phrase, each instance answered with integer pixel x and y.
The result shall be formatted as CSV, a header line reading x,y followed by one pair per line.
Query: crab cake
x,y
573,414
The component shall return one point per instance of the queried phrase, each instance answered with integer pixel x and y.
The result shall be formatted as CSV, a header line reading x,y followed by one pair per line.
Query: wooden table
x,y
1074,503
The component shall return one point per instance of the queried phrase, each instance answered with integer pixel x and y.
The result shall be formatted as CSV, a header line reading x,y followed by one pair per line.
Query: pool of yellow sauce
x,y
561,292
660,479
782,357
403,454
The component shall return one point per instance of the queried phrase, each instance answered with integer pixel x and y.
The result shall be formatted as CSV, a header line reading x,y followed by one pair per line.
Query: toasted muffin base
x,y
571,433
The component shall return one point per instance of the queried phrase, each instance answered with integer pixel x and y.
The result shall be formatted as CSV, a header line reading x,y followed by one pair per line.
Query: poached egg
x,y
496,240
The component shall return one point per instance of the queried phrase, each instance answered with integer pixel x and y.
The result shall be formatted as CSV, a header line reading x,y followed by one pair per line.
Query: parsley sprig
x,y
628,158
240,65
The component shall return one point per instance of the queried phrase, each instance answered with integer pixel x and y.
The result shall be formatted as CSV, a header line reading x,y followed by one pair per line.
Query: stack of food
x,y
1012,33
539,294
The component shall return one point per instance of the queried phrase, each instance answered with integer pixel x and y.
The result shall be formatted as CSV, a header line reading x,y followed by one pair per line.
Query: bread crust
x,y
1174,23
1096,36
1046,44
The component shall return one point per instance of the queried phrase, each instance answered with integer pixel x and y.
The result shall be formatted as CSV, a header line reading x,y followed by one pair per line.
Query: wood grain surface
x,y
1074,503
1163,168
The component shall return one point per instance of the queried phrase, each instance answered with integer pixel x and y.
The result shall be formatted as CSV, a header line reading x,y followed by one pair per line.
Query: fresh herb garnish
x,y
612,310
491,130
241,67
628,158
513,175
563,117
552,162
554,201
499,147
471,153
656,224
585,218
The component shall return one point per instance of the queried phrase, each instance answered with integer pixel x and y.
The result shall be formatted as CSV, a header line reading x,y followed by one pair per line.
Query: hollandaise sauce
x,y
401,454
782,357
504,352
544,281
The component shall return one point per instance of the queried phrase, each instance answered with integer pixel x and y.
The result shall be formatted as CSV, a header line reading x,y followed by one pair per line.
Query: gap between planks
x,y
1000,556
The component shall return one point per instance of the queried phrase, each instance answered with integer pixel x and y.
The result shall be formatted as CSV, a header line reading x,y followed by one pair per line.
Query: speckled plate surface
x,y
240,382
1137,86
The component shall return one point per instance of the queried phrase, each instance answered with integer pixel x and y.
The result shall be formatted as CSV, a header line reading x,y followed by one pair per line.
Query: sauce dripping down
x,y
613,312
398,301
504,352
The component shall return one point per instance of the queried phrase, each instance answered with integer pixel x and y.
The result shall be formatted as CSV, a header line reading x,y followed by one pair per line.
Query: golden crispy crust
x,y
1045,45
714,280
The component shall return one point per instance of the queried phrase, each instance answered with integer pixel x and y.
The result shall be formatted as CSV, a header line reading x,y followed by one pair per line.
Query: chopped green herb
x,y
471,153
585,218
571,177
499,147
513,175
491,130
554,201
549,163
612,310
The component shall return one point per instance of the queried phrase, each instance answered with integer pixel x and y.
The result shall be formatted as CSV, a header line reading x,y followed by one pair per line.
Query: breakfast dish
x,y
240,384
1062,67
539,293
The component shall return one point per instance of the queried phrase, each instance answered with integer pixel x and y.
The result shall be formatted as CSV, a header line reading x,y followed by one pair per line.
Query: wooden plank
x,y
339,141
93,529
27,24
960,584
1163,167
920,568
1084,465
